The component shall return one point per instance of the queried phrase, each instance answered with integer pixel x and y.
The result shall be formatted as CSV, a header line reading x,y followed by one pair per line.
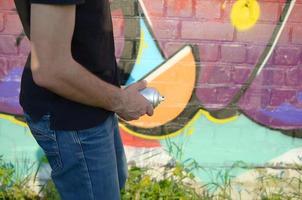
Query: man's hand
x,y
134,104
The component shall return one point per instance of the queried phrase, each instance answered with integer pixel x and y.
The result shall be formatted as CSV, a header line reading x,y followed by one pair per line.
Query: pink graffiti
x,y
227,57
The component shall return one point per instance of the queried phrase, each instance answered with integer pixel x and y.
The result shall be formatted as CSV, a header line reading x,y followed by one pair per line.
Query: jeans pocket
x,y
50,148
46,139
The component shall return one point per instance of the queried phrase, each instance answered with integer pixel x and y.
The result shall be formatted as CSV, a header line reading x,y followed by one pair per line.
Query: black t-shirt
x,y
92,47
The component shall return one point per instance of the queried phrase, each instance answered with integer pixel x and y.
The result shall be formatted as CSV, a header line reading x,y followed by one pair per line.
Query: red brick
x,y
155,8
255,97
17,61
24,47
282,96
118,24
283,1
233,53
254,53
293,76
209,52
273,77
260,33
225,94
172,47
297,34
226,10
3,67
207,96
214,74
179,8
287,56
166,28
269,11
207,31
240,74
208,9
12,24
285,36
1,22
7,5
264,77
119,46
117,13
296,15
124,49
8,45
128,8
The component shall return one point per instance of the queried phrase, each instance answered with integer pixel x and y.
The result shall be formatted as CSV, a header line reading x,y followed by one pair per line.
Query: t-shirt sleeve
x,y
58,2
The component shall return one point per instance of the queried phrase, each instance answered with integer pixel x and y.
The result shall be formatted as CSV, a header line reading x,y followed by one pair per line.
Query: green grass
x,y
141,185
176,182
11,185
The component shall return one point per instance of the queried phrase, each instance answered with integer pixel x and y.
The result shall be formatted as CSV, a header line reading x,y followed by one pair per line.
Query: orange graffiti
x,y
175,79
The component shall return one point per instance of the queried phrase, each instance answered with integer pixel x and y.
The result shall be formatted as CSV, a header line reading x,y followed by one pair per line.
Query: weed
x,y
177,182
12,186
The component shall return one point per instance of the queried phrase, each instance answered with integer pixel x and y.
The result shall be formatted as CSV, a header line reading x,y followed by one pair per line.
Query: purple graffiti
x,y
299,97
285,113
9,92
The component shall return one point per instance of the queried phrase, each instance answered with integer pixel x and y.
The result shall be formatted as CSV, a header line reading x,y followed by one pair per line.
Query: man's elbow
x,y
44,78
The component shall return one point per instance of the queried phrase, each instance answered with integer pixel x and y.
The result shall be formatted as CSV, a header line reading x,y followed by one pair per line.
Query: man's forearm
x,y
76,83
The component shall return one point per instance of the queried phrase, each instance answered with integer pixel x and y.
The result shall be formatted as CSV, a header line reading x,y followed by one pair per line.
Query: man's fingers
x,y
140,85
150,110
128,118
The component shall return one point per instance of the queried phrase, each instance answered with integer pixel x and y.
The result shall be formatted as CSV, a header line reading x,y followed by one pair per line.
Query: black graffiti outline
x,y
232,108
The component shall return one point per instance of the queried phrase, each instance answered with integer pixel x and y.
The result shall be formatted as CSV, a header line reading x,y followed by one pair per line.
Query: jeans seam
x,y
90,181
60,164
37,131
75,138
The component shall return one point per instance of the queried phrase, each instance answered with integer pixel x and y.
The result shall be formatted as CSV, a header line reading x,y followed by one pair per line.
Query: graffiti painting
x,y
230,71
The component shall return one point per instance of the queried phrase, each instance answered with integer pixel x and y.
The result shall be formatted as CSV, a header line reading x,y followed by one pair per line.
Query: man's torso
x,y
93,48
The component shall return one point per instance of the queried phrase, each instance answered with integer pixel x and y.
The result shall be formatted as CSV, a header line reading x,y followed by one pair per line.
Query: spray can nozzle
x,y
153,96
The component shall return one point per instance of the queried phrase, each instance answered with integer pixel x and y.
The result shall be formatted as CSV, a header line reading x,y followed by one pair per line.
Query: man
x,y
70,92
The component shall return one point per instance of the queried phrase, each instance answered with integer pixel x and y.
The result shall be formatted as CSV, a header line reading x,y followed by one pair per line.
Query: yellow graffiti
x,y
245,14
143,45
190,131
223,6
186,127
13,120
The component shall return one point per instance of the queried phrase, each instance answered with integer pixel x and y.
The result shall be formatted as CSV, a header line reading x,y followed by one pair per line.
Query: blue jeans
x,y
86,164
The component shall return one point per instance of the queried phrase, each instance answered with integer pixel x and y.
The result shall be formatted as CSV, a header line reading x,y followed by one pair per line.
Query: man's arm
x,y
54,68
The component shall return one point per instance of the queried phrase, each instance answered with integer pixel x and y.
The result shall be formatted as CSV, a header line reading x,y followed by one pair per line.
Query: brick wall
x,y
225,57
11,55
206,23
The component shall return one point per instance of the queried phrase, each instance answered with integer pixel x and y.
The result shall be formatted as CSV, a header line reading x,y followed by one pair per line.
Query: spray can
x,y
153,96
